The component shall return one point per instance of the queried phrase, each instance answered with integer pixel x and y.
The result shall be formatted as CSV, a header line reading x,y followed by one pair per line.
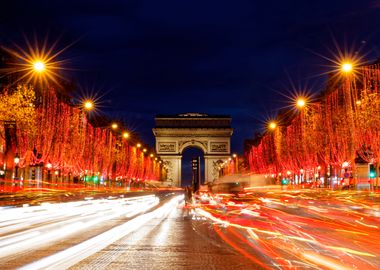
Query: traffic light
x,y
95,178
284,181
372,171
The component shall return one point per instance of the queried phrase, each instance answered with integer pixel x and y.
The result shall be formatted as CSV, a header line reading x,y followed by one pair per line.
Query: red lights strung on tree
x,y
342,126
64,137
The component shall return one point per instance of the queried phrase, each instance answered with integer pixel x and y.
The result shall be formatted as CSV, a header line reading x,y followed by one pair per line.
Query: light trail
x,y
308,230
276,230
24,229
75,254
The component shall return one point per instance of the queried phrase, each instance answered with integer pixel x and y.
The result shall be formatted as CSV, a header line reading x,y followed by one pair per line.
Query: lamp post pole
x,y
236,159
16,161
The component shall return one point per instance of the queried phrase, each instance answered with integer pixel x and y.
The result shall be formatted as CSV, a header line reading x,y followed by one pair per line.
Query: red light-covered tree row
x,y
48,130
341,126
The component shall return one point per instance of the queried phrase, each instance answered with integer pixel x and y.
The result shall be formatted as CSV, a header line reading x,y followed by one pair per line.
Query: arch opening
x,y
187,174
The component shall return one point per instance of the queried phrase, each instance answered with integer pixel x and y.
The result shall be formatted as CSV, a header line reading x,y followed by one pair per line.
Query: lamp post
x,y
236,159
56,173
319,175
16,178
348,70
49,166
16,161
288,173
301,105
301,176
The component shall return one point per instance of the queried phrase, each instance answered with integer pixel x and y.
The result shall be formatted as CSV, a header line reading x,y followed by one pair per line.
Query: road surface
x,y
260,229
116,233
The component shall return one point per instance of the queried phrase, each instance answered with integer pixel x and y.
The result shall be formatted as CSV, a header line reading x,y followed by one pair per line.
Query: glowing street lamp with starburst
x,y
39,66
36,63
347,67
301,102
272,125
88,105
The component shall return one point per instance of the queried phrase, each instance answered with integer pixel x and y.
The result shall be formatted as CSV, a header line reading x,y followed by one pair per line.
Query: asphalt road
x,y
116,233
177,240
260,229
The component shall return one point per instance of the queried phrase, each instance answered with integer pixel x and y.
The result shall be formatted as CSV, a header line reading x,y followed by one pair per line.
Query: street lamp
x,y
114,126
125,135
288,173
301,102
272,125
88,105
56,177
49,166
235,156
39,66
347,67
16,161
138,145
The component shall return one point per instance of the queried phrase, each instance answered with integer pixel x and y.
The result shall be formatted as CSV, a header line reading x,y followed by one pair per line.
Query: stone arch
x,y
193,143
210,133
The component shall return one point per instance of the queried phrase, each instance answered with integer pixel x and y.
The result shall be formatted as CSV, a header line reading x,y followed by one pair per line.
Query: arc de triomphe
x,y
210,133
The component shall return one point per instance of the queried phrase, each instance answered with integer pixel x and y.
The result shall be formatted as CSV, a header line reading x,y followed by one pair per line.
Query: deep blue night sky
x,y
216,57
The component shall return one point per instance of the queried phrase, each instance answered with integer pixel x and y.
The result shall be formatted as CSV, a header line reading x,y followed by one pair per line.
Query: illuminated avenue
x,y
236,135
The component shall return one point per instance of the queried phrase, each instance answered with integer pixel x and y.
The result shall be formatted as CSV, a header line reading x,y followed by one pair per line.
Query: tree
x,y
17,113
17,105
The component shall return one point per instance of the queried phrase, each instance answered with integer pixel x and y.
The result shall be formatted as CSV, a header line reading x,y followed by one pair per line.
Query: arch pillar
x,y
212,163
173,164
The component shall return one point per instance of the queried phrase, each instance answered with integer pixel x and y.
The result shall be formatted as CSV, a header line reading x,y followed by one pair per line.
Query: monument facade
x,y
210,133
